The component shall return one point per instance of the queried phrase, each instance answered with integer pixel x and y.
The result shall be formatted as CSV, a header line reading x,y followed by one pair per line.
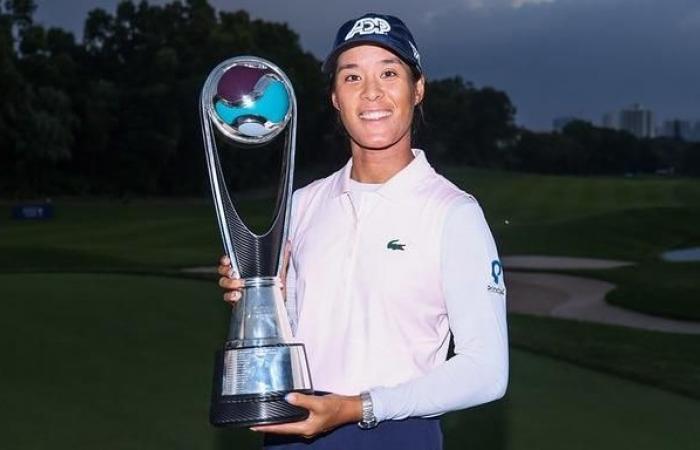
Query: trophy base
x,y
252,410
246,410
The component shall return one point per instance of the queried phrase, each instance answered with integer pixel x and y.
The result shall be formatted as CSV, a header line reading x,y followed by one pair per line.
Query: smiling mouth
x,y
375,114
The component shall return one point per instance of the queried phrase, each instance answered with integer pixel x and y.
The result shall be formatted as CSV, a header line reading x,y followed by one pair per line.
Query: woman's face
x,y
375,94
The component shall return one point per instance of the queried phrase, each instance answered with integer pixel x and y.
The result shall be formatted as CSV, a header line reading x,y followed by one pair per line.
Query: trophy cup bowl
x,y
249,102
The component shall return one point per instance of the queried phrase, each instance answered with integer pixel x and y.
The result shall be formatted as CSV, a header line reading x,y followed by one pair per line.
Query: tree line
x,y
117,113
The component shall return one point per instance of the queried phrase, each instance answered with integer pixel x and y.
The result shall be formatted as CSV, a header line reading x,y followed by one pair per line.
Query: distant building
x,y
695,133
559,123
679,129
637,121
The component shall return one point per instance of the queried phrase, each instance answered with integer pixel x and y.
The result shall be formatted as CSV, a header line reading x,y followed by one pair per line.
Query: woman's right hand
x,y
230,281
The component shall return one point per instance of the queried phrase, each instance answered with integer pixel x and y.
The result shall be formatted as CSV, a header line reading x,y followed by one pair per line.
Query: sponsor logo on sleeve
x,y
497,286
496,270
369,25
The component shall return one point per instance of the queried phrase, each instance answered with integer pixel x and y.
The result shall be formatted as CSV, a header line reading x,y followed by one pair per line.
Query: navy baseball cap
x,y
376,29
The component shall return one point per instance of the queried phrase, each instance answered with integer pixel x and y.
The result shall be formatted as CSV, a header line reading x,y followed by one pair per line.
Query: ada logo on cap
x,y
369,25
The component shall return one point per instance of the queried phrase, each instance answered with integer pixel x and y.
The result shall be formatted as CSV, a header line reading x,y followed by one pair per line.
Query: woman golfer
x,y
387,258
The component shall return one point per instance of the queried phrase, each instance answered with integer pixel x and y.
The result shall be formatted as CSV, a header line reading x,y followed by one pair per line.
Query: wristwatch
x,y
368,419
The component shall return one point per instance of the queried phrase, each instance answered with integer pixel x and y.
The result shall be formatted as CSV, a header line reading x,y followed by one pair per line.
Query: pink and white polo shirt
x,y
369,300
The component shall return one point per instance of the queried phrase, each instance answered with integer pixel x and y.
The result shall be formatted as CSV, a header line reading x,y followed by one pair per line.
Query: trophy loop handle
x,y
251,254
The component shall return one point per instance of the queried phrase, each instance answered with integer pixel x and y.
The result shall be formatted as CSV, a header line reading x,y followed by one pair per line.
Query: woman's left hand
x,y
325,413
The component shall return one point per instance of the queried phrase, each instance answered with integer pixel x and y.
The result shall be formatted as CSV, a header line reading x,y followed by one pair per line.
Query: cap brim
x,y
329,64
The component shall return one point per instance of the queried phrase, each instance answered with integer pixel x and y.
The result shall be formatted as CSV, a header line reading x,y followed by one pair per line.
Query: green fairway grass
x,y
635,234
529,199
552,405
95,347
109,362
659,288
667,360
604,217
633,218
112,235
117,362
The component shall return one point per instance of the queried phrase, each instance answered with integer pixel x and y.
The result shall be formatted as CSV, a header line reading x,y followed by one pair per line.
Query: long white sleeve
x,y
475,300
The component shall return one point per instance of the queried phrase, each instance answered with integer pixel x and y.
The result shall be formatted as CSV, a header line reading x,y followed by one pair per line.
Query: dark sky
x,y
552,57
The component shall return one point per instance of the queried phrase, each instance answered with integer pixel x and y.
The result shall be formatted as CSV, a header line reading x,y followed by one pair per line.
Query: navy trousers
x,y
409,434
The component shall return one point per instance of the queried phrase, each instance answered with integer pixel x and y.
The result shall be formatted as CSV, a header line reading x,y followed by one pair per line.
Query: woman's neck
x,y
378,166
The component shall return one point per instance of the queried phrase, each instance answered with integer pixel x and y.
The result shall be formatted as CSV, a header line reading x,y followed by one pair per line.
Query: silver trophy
x,y
249,102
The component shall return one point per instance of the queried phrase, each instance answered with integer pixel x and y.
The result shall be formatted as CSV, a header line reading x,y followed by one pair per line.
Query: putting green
x,y
114,362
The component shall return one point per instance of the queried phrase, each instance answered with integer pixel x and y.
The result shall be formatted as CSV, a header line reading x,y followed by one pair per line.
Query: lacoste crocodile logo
x,y
395,245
